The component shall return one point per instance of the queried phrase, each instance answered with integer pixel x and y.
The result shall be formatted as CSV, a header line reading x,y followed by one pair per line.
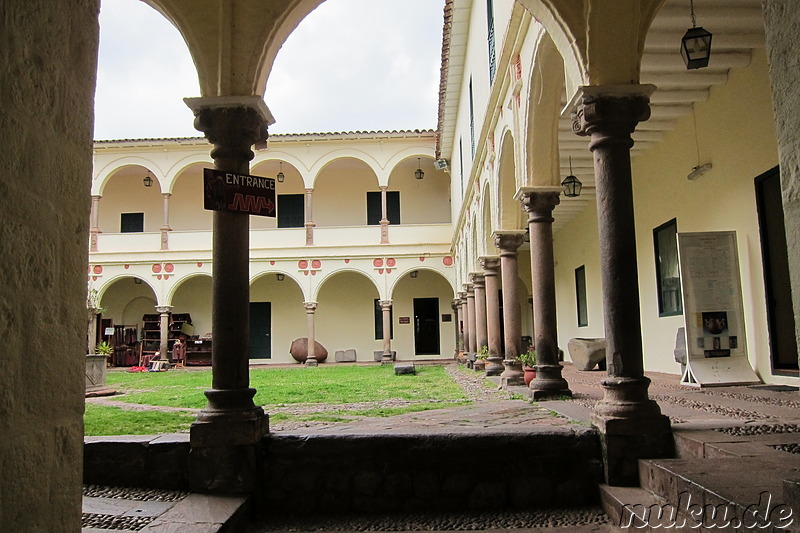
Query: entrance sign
x,y
716,350
240,193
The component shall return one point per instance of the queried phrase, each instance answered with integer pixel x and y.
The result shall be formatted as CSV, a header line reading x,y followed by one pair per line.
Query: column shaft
x,y
494,363
309,218
539,205
163,344
386,315
165,227
631,425
473,343
311,308
479,288
95,228
456,306
465,321
508,243
384,217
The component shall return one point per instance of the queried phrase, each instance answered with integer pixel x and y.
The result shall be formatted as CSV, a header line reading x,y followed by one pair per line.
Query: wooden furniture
x,y
198,351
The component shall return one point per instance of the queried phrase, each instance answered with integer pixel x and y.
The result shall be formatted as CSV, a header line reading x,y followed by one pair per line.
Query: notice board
x,y
716,348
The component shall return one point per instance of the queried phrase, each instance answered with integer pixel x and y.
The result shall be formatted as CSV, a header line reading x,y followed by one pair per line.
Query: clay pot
x,y
299,350
528,375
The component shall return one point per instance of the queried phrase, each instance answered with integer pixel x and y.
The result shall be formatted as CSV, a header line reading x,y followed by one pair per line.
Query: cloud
x,y
350,65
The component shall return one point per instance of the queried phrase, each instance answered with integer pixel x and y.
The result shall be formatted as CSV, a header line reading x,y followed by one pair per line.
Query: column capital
x,y
462,294
96,196
386,304
166,195
509,240
232,124
490,264
455,305
309,190
610,112
539,201
383,187
470,287
163,309
478,279
310,307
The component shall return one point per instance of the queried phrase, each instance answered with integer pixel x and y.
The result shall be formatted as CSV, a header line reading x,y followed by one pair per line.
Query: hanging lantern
x,y
696,45
571,184
419,174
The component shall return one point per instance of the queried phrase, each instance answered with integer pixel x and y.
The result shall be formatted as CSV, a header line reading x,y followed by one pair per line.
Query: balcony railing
x,y
272,239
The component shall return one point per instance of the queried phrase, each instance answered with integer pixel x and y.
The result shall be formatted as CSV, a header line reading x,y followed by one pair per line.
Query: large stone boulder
x,y
299,350
587,353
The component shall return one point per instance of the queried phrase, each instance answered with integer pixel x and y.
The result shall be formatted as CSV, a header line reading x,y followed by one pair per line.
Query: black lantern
x,y
148,181
280,277
419,174
696,45
571,184
281,175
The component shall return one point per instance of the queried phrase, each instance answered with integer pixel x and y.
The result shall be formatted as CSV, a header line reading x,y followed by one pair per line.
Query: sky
x,y
350,65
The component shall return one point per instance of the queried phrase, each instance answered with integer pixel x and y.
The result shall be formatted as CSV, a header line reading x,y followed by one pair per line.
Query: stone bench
x,y
345,356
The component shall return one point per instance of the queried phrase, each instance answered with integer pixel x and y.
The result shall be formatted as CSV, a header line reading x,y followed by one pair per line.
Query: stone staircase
x,y
733,479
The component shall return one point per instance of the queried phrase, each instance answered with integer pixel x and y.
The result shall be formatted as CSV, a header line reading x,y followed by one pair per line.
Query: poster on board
x,y
713,311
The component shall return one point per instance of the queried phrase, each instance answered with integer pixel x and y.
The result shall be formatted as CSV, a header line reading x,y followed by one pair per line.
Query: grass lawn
x,y
430,388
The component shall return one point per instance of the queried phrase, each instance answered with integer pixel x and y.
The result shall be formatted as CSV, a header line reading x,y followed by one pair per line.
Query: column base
x,y
311,361
494,365
387,359
548,383
631,428
512,376
225,441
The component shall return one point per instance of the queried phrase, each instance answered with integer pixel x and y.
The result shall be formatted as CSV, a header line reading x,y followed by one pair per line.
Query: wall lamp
x,y
280,277
414,273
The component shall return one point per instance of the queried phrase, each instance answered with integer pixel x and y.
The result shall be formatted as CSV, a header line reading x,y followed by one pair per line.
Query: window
x,y
580,296
471,118
379,321
461,163
668,277
374,207
131,222
291,210
490,21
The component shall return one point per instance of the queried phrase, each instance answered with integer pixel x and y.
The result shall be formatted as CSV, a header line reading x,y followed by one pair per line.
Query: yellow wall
x,y
345,315
735,132
426,285
288,313
193,296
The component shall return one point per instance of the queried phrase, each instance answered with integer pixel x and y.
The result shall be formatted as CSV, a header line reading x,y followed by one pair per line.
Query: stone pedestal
x,y
587,353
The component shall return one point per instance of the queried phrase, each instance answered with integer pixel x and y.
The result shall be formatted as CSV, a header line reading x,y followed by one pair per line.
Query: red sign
x,y
228,191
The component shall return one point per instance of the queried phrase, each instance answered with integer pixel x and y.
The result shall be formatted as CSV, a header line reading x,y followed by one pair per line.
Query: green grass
x,y
292,385
105,420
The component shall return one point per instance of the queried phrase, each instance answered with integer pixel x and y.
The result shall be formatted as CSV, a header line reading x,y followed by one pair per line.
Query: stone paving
x,y
748,410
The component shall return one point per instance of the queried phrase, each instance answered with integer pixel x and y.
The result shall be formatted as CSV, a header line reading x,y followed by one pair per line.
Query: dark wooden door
x,y
426,326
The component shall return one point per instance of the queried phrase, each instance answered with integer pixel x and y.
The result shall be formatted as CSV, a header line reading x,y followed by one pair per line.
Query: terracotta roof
x,y
274,136
448,24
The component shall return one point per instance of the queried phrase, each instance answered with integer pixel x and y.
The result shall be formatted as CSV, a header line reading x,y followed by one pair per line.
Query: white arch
x,y
180,281
375,282
106,283
107,171
342,153
391,288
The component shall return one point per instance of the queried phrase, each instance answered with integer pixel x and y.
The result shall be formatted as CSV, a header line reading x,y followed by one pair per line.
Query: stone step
x,y
724,492
636,509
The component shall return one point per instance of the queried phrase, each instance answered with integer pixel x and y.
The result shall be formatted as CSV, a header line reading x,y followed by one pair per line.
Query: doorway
x,y
260,330
775,258
426,326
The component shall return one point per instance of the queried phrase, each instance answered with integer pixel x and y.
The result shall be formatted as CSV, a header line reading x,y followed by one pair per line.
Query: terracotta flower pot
x,y
529,375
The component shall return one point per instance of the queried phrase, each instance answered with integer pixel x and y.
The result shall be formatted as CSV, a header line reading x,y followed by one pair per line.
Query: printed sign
x,y
240,193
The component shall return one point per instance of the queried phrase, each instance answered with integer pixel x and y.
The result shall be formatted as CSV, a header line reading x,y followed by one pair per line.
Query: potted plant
x,y
480,358
528,360
104,348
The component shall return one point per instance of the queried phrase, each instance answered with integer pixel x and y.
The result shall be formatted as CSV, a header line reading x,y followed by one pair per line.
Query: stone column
x,y
539,202
165,229
479,289
471,318
311,308
163,346
494,363
455,305
309,220
386,314
464,320
508,243
94,230
384,217
224,438
631,425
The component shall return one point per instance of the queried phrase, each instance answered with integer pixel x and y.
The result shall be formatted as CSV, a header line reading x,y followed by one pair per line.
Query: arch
x,y
112,168
403,156
325,160
192,295
315,292
405,274
180,282
335,205
510,213
487,243
288,158
544,110
249,34
288,276
110,281
421,201
125,301
183,164
186,212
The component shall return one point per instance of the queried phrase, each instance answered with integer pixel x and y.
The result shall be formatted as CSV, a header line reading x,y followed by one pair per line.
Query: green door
x,y
260,330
